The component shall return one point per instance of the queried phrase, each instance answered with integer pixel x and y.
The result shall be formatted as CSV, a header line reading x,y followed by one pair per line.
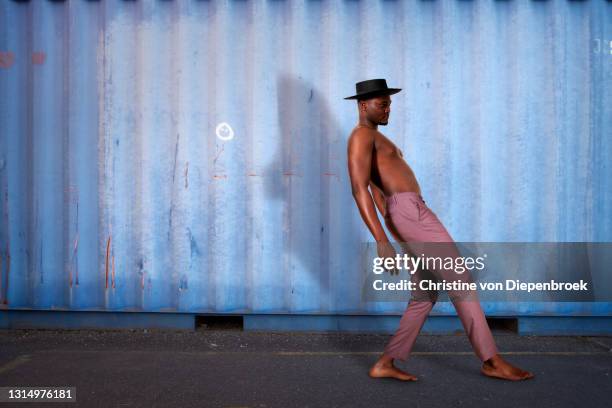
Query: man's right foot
x,y
387,370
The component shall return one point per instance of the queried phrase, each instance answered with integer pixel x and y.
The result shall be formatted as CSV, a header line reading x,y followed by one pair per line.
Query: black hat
x,y
371,88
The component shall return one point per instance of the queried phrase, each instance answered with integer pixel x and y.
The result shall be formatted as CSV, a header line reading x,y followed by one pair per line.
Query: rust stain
x,y
332,175
186,175
108,241
38,57
253,175
7,59
71,189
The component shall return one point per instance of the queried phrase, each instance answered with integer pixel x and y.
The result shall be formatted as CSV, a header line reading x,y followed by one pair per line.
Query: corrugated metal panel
x,y
117,193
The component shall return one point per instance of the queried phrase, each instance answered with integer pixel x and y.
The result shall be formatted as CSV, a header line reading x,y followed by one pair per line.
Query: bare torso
x,y
390,173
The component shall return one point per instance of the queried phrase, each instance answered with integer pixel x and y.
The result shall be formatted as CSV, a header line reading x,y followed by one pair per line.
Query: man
x,y
376,163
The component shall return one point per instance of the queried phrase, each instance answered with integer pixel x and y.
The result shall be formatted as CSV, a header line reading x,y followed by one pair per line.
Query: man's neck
x,y
368,124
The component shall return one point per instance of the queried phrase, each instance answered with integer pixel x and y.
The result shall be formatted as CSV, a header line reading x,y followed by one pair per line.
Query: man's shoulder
x,y
362,134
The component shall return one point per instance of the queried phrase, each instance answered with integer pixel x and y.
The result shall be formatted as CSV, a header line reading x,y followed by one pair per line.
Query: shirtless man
x,y
376,163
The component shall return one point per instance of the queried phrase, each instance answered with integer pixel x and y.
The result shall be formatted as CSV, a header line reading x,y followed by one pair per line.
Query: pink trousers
x,y
411,221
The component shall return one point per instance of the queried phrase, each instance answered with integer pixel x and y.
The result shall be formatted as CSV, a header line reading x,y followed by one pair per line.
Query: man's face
x,y
378,109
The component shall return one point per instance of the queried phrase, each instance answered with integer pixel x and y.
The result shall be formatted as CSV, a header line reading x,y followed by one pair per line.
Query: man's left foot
x,y
497,367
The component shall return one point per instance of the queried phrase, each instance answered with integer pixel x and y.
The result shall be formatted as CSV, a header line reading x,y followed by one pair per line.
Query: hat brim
x,y
374,94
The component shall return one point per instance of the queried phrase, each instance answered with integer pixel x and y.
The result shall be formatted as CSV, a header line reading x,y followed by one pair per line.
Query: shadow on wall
x,y
299,159
321,234
311,158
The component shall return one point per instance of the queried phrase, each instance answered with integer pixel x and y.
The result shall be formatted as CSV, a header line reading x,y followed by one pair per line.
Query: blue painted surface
x,y
58,319
108,113
565,326
343,323
381,324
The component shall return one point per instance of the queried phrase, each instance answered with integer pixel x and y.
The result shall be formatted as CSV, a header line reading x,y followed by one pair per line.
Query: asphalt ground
x,y
232,368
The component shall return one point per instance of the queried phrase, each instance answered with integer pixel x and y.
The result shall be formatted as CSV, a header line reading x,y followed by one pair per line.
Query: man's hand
x,y
386,250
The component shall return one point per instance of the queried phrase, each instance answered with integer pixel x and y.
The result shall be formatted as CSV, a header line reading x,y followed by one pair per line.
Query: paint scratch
x,y
193,243
218,154
73,261
186,174
170,220
108,241
219,176
141,272
176,146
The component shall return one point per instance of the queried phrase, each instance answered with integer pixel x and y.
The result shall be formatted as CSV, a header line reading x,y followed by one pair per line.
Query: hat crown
x,y
371,85
371,88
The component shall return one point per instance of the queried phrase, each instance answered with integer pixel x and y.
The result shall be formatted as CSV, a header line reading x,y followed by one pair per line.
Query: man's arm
x,y
379,200
360,148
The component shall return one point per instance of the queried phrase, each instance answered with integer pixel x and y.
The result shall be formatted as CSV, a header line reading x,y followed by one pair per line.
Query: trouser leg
x,y
412,221
466,302
476,327
412,321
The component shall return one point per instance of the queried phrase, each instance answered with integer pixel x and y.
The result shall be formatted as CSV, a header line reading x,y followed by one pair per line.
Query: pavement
x,y
233,368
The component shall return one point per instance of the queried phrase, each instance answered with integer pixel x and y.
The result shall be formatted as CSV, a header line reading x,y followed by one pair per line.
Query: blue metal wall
x,y
117,193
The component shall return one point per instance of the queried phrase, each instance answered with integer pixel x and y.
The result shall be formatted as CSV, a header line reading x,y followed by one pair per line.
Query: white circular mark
x,y
224,131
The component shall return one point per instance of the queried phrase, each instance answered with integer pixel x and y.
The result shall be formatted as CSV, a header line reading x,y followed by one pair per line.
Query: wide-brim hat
x,y
372,88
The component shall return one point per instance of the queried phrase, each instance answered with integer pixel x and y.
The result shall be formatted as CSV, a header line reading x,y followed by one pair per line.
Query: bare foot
x,y
385,369
497,367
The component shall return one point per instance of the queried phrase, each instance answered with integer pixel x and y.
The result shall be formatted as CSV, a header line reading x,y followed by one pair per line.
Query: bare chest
x,y
385,147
